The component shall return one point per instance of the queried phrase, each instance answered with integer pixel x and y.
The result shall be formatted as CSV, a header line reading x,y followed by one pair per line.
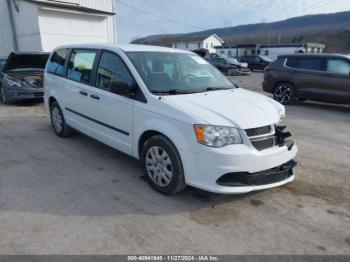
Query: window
x,y
212,45
206,45
229,53
309,63
338,66
199,45
267,52
80,65
187,46
112,68
56,63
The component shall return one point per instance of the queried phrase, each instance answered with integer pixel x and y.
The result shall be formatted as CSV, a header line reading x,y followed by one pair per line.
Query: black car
x,y
256,62
22,77
227,65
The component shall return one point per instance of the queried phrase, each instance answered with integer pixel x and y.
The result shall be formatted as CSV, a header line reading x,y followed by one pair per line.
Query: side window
x,y
310,63
112,68
338,66
57,61
292,62
80,65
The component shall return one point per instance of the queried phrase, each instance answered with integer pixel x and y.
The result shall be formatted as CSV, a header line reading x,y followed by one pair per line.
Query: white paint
x,y
174,117
41,28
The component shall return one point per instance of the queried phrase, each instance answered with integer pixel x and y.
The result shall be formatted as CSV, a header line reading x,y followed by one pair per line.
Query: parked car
x,y
188,128
255,62
227,65
22,77
319,77
2,64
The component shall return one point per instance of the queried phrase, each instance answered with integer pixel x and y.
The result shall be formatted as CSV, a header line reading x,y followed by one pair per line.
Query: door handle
x,y
95,97
83,93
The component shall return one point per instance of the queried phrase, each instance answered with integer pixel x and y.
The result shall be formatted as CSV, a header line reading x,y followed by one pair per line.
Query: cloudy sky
x,y
195,15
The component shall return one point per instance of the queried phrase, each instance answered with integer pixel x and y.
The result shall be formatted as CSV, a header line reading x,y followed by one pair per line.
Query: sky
x,y
196,15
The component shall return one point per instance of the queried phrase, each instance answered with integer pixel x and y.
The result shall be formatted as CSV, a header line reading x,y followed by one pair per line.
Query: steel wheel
x,y
57,120
158,165
284,93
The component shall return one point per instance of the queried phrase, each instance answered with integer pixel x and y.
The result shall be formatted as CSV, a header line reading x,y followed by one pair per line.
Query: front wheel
x,y
4,98
163,166
284,93
58,122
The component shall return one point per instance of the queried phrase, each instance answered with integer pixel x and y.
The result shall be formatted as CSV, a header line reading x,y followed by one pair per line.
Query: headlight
x,y
217,136
13,82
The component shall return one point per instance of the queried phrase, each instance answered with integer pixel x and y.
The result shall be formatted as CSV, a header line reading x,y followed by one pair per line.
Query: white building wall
x,y
6,39
210,43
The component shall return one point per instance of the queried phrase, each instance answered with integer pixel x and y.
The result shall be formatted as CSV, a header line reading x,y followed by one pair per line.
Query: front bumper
x,y
15,95
204,169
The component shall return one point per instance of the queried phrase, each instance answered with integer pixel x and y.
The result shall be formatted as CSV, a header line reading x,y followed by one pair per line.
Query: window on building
x,y
267,52
112,68
229,53
80,65
187,45
175,45
338,66
206,45
212,45
57,61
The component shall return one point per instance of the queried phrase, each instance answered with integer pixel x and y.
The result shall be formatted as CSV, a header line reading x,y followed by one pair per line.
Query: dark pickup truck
x,y
22,77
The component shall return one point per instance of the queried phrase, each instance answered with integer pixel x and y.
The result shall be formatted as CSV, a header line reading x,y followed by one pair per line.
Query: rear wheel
x,y
58,122
163,166
284,93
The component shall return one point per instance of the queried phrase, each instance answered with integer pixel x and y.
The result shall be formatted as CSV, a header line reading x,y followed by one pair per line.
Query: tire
x,y
58,122
162,166
3,97
285,93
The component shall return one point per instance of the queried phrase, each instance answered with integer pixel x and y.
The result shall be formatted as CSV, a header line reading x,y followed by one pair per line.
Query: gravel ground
x,y
78,196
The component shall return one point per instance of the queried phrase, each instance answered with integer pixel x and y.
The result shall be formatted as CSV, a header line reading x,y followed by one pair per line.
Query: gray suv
x,y
319,77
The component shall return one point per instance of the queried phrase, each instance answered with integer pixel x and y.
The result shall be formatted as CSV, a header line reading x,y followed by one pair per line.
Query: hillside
x,y
330,29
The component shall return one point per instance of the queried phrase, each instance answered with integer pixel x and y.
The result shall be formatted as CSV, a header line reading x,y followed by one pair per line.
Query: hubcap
x,y
159,167
283,94
57,120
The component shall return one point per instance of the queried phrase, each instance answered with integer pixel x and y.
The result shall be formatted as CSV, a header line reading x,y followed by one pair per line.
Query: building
x,y
192,43
41,25
272,51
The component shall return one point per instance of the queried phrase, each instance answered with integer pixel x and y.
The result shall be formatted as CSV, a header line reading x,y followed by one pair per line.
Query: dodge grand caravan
x,y
173,110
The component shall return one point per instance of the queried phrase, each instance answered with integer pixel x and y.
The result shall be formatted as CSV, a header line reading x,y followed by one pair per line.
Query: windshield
x,y
233,61
177,73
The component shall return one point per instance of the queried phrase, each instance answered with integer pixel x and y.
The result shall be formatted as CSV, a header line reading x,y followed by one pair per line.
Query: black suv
x,y
319,77
255,62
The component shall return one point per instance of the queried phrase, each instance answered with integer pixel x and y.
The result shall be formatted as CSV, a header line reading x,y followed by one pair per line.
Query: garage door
x,y
58,27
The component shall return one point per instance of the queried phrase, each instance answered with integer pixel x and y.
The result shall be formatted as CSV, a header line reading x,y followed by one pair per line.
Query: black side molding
x,y
98,122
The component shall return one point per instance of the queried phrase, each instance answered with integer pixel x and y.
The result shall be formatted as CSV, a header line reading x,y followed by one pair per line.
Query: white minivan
x,y
171,109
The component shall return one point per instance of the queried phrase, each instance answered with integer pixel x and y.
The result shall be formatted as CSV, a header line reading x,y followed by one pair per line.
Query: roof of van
x,y
127,48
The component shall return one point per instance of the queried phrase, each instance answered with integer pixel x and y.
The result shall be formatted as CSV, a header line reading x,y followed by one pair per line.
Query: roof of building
x,y
73,7
189,38
272,45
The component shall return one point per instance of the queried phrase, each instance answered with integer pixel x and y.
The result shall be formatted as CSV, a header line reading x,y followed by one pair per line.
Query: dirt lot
x,y
77,196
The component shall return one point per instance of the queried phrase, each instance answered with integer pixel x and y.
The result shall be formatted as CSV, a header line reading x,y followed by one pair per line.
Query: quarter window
x,y
57,61
112,68
80,65
338,66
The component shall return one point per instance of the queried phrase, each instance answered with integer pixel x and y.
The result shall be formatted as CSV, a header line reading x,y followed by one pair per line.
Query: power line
x,y
158,16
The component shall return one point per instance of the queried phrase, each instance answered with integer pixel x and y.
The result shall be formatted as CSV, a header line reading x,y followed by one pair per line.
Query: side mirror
x,y
122,88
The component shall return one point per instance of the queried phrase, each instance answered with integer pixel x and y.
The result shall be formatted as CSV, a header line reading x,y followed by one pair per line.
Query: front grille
x,y
258,131
266,177
264,143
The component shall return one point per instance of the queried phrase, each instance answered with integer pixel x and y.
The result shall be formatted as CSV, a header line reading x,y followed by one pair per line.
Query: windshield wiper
x,y
171,92
218,88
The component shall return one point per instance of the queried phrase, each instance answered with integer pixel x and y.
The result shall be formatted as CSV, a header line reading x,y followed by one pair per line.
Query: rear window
x,y
306,63
80,65
56,63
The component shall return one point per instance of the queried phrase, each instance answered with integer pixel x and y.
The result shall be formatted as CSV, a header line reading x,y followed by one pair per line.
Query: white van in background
x,y
173,110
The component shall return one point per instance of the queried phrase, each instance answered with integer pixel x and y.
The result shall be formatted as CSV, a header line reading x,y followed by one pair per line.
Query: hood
x,y
238,107
22,61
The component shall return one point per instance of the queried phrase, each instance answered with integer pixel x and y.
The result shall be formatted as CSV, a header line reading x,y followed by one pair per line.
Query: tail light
x,y
268,69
